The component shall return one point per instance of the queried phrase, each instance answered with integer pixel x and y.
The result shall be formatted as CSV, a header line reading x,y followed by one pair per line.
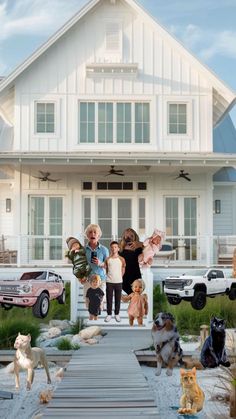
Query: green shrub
x,y
65,344
77,326
189,320
9,330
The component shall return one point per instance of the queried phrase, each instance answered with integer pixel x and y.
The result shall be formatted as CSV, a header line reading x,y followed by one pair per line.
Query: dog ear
x,y
29,337
168,325
18,333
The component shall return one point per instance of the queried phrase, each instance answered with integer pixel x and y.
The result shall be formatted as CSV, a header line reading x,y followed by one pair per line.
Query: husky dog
x,y
166,342
28,358
213,351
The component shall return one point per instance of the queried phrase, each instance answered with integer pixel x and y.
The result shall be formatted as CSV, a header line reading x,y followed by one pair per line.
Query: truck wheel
x,y
41,307
6,306
232,294
173,300
62,298
199,300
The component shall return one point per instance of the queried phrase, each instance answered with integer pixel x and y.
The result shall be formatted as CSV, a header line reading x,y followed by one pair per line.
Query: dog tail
x,y
189,363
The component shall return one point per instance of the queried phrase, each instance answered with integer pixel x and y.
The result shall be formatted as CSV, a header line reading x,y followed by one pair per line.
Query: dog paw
x,y
181,410
169,372
158,372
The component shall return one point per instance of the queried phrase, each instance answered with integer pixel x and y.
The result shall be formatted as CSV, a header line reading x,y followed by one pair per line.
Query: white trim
x,y
33,111
189,109
114,102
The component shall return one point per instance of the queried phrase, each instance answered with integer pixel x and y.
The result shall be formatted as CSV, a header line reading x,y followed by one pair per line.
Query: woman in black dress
x,y
130,249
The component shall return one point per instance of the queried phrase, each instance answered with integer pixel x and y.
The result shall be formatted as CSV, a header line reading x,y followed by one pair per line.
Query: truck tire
x,y
199,300
62,298
7,306
232,293
174,301
41,307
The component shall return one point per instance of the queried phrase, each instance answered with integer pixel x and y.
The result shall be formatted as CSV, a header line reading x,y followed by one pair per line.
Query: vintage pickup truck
x,y
33,289
197,286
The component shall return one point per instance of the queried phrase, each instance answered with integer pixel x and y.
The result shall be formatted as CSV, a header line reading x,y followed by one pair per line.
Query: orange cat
x,y
193,397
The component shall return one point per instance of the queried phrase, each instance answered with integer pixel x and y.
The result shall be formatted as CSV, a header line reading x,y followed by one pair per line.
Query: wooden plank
x,y
105,381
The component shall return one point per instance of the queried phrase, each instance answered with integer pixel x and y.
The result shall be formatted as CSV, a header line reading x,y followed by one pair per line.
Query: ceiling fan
x,y
45,177
114,171
183,175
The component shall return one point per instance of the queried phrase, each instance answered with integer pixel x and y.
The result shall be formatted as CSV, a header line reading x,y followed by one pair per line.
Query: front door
x,y
181,225
45,228
113,215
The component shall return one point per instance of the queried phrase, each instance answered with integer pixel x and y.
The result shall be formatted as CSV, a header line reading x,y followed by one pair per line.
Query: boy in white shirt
x,y
115,269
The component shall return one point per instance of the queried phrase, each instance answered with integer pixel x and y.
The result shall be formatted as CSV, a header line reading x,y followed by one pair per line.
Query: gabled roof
x,y
224,97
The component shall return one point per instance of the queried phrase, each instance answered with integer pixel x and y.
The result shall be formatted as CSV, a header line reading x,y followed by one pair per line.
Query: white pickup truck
x,y
195,286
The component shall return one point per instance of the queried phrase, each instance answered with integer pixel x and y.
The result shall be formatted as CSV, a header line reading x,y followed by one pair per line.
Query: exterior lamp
x,y
8,205
217,206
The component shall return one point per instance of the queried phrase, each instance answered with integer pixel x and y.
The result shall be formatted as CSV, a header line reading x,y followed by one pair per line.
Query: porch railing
x,y
23,250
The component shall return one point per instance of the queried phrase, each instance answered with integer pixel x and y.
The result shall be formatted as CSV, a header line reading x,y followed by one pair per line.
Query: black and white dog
x,y
166,342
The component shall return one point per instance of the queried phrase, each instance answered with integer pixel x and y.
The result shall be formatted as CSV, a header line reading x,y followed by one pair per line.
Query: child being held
x,y
152,245
76,253
94,297
138,306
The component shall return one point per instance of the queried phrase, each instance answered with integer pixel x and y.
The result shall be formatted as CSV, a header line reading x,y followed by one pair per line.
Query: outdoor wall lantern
x,y
8,205
217,206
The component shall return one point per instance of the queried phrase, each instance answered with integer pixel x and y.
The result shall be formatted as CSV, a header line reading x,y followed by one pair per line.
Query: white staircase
x,y
79,310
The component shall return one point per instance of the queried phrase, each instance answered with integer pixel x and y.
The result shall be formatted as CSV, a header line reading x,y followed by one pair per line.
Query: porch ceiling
x,y
131,163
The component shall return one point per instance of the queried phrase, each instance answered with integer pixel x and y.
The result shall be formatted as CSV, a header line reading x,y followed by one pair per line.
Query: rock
x,y
61,324
91,341
90,332
76,339
53,332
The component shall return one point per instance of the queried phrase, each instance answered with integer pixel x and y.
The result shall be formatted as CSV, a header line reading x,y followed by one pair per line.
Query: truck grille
x,y
174,284
9,289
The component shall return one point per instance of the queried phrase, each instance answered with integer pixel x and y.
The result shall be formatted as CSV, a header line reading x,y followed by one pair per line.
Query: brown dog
x,y
28,358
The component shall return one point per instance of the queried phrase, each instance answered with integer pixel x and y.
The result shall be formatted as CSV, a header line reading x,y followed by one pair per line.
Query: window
x,y
126,186
87,122
108,122
124,122
45,118
142,122
177,118
105,122
87,186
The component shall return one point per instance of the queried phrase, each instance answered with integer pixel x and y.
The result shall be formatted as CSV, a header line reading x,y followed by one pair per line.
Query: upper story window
x,y
177,118
109,122
45,117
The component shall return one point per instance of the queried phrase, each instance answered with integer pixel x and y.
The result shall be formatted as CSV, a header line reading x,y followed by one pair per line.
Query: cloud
x,y
35,17
206,43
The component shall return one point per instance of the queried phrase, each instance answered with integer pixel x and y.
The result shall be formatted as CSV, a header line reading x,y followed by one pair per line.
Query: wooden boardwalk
x,y
105,380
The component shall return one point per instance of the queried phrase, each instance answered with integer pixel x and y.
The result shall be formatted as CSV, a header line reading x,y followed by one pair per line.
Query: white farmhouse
x,y
96,126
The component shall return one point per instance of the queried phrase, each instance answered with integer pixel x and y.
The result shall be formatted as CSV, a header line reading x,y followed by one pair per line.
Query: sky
x,y
206,27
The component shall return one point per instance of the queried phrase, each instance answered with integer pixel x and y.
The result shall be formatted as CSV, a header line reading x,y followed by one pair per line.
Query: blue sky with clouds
x,y
205,27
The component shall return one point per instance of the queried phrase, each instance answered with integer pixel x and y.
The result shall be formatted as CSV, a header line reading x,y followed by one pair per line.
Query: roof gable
x,y
223,97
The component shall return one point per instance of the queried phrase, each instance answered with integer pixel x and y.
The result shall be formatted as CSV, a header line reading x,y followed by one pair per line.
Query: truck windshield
x,y
34,275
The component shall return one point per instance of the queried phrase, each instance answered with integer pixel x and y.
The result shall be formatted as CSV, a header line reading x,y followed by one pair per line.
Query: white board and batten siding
x,y
225,222
78,309
165,73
